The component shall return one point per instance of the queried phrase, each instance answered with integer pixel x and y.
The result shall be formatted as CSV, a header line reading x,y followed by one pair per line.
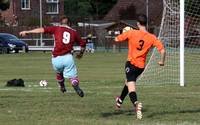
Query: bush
x,y
4,4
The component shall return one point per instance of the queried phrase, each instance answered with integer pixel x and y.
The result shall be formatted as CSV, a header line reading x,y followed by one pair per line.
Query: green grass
x,y
101,76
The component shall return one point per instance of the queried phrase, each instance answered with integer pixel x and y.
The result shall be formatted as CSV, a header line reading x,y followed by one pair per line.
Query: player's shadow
x,y
173,112
151,115
119,112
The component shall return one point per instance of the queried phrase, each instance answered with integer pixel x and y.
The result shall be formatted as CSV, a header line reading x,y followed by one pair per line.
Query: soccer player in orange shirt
x,y
139,43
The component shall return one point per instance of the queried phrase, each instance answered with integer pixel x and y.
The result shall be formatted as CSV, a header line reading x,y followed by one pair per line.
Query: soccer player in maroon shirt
x,y
62,59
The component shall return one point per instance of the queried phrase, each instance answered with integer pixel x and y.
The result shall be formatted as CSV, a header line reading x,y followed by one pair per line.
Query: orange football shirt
x,y
139,44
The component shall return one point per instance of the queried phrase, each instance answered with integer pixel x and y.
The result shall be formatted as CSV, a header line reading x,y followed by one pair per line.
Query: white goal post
x,y
182,41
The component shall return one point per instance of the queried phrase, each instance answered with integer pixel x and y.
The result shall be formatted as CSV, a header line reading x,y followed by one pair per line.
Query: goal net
x,y
170,36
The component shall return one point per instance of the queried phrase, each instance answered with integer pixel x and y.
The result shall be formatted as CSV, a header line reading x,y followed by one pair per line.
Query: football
x,y
43,83
127,28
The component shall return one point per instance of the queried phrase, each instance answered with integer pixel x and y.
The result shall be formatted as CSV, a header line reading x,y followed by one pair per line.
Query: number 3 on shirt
x,y
66,37
141,44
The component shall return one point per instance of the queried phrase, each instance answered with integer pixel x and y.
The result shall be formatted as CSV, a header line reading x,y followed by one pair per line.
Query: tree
x,y
101,7
4,4
88,8
128,13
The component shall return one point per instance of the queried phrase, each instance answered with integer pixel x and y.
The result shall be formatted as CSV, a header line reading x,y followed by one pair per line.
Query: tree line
x,y
88,8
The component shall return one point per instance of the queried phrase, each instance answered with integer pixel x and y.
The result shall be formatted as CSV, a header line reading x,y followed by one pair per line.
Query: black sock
x,y
133,97
124,93
62,84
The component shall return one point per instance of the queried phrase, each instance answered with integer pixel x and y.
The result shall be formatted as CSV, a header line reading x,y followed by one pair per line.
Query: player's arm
x,y
122,37
37,30
162,57
81,43
158,44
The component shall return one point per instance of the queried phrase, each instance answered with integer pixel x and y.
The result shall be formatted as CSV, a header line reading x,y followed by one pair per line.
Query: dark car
x,y
10,43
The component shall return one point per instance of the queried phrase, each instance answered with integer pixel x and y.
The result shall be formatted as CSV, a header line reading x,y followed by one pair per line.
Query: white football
x,y
127,28
43,83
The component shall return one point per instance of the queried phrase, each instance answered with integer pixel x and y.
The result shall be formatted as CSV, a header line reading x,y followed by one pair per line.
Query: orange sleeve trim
x,y
122,37
158,44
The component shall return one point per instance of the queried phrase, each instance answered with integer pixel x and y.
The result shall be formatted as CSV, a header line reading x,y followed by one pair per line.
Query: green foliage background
x,y
88,8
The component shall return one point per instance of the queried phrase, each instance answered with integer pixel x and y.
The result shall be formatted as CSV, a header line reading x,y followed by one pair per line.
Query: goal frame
x,y
182,41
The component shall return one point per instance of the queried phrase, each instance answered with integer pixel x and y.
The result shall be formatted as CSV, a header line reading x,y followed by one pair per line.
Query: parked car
x,y
10,43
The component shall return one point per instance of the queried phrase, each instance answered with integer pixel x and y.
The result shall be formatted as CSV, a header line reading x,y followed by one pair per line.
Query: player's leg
x,y
58,67
134,100
119,99
61,82
92,47
75,84
132,73
87,47
70,72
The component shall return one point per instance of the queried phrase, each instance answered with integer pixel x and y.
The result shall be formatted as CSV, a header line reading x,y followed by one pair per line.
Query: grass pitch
x,y
101,76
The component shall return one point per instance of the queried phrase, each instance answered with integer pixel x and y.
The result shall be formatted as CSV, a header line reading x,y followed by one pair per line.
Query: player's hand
x,y
79,55
161,63
23,33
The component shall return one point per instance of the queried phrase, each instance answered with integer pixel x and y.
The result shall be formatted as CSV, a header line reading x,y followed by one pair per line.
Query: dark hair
x,y
63,17
142,19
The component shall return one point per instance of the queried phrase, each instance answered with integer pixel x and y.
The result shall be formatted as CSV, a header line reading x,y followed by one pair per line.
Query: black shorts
x,y
132,72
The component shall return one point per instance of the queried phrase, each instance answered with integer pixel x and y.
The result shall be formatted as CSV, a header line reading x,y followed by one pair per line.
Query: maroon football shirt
x,y
65,38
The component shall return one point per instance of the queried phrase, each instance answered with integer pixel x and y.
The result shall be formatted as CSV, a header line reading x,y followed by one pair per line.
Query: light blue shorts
x,y
65,64
90,46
